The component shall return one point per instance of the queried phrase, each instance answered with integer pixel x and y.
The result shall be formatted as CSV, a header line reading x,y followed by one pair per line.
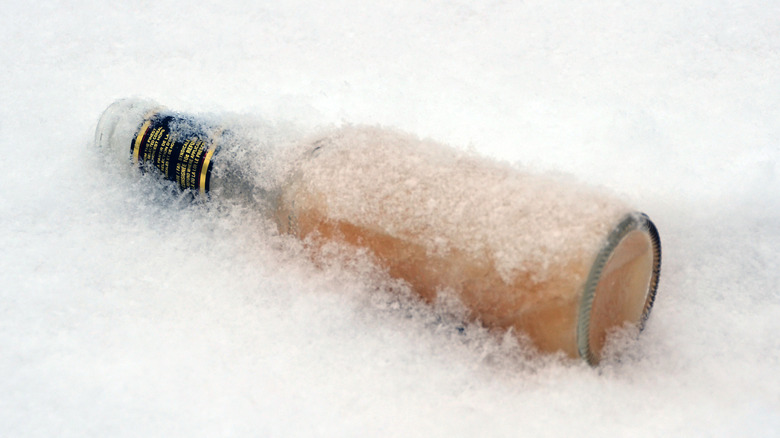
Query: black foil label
x,y
179,147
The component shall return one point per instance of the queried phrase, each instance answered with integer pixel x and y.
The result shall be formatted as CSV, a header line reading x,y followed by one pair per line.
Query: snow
x,y
128,311
432,196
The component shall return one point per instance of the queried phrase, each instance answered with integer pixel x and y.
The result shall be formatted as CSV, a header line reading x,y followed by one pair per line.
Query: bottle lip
x,y
120,122
631,222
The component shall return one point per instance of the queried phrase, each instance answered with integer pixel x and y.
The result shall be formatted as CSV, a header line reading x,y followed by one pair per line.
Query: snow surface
x,y
126,311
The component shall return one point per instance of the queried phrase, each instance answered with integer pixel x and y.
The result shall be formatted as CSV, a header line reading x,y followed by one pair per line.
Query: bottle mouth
x,y
119,123
621,286
107,123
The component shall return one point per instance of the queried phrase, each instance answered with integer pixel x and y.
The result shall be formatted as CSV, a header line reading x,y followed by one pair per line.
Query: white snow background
x,y
127,312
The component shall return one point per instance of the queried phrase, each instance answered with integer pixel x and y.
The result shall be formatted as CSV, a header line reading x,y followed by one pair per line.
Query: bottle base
x,y
621,286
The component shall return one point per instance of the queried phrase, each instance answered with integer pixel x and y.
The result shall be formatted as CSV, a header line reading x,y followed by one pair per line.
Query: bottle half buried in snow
x,y
538,254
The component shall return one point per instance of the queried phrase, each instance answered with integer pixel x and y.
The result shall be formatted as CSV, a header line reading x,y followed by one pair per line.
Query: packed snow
x,y
129,310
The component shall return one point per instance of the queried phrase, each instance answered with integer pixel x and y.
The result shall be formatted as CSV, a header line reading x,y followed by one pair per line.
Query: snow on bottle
x,y
542,255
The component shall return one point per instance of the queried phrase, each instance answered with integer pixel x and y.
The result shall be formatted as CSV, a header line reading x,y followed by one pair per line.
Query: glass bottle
x,y
539,254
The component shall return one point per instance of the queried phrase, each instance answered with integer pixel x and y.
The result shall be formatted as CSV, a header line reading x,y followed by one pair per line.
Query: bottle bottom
x,y
621,286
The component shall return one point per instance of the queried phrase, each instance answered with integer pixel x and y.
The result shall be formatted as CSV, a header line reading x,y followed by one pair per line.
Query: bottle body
x,y
532,253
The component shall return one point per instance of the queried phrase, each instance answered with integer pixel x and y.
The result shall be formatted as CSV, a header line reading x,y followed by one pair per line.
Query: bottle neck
x,y
229,158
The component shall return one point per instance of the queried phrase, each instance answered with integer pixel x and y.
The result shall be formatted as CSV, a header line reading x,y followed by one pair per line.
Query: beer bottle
x,y
539,254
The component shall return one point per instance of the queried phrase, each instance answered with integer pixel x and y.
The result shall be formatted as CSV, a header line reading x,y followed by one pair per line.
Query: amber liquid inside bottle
x,y
561,264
